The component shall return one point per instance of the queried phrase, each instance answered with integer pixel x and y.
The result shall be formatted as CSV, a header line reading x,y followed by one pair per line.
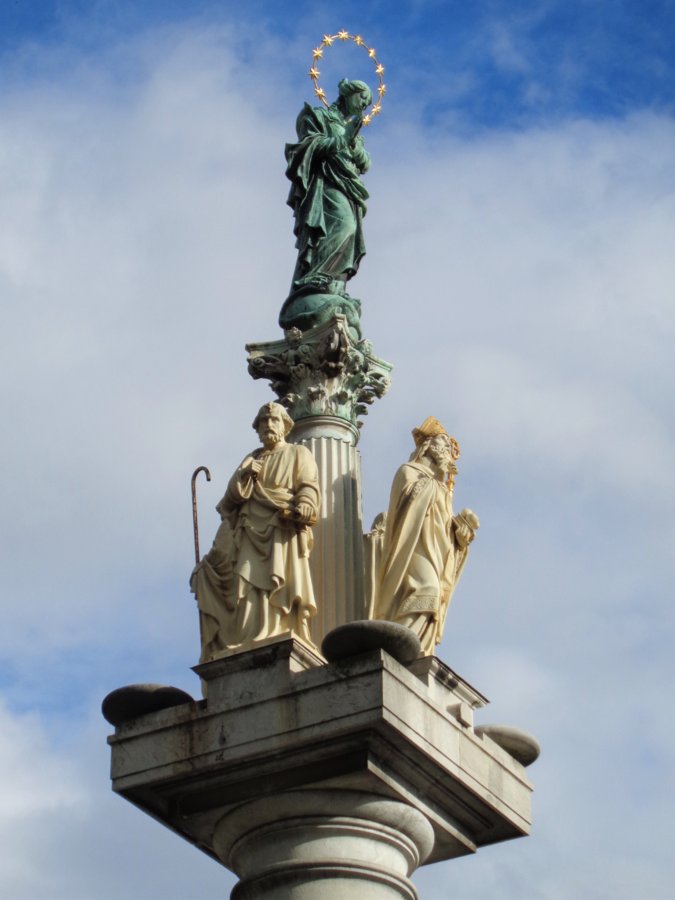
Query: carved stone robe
x,y
255,581
421,559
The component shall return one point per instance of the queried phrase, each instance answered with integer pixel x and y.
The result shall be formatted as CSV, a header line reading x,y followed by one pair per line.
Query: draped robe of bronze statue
x,y
328,200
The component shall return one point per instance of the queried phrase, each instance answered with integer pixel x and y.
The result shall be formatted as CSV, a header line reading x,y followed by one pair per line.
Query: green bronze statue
x,y
328,200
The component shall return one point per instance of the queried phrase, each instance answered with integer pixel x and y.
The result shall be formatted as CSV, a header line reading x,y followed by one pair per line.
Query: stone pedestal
x,y
312,780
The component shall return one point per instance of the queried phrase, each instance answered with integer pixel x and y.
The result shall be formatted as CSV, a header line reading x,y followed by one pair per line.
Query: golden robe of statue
x,y
425,546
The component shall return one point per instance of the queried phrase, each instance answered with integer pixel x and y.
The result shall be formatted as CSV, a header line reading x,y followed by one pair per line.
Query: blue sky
x,y
519,276
495,63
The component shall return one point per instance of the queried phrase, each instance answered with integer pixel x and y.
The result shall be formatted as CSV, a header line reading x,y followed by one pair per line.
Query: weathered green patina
x,y
328,200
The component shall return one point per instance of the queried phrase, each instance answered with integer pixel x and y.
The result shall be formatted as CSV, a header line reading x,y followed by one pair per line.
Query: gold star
x,y
379,69
382,89
327,39
377,108
320,93
313,73
343,35
317,53
367,119
371,53
358,40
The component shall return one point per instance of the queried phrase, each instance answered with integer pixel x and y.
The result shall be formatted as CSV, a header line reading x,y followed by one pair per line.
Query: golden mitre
x,y
430,428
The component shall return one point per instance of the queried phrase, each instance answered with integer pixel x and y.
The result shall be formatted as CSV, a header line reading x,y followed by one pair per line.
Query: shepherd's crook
x,y
194,507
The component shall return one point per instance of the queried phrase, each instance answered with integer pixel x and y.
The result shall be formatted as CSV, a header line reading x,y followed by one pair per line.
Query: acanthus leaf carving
x,y
322,371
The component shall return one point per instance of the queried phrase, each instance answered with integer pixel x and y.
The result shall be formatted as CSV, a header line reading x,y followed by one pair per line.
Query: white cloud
x,y
64,833
34,788
543,264
37,786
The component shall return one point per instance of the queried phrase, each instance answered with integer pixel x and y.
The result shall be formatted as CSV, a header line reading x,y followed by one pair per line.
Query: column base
x,y
323,845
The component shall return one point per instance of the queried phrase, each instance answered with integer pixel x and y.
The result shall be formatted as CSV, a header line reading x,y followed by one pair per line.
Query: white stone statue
x,y
255,581
424,547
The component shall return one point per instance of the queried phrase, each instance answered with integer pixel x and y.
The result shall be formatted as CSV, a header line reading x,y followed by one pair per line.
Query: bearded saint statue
x,y
255,581
423,546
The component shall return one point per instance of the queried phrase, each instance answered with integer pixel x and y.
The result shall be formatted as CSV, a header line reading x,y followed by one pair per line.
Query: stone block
x,y
279,720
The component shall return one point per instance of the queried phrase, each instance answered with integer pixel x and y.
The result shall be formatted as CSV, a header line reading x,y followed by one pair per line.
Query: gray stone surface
x,y
135,700
317,427
519,744
325,844
279,720
355,638
447,689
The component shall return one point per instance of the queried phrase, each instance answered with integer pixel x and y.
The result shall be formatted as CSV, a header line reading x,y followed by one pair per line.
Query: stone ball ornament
x,y
355,638
134,700
519,744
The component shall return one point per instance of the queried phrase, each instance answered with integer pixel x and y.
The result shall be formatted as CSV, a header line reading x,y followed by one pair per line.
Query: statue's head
x,y
354,96
433,442
272,424
439,451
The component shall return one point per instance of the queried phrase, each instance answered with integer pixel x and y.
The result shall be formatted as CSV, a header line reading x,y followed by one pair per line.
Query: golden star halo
x,y
317,53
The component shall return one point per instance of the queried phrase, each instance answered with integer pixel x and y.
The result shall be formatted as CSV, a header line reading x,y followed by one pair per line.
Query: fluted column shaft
x,y
336,562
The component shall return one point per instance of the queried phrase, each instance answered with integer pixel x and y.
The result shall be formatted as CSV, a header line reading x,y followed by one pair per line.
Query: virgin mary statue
x,y
328,200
